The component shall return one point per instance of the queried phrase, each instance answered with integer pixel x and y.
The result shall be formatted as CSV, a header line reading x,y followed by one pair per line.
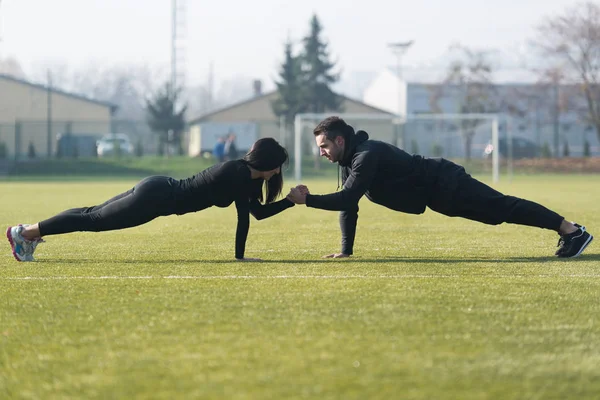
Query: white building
x,y
422,93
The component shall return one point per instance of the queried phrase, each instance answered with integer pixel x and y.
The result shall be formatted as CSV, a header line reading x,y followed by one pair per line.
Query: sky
x,y
245,38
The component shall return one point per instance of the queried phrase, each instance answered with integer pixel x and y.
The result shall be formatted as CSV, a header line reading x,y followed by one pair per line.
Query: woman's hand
x,y
303,189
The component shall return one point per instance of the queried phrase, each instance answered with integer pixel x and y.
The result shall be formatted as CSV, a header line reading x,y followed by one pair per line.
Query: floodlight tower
x,y
399,49
0,32
178,34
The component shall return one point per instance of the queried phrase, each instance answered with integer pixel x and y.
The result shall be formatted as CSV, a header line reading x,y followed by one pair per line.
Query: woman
x,y
239,181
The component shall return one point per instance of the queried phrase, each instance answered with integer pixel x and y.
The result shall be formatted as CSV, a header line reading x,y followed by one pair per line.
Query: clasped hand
x,y
298,194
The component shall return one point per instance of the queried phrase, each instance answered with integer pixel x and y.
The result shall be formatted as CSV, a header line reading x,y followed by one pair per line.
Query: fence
x,y
41,139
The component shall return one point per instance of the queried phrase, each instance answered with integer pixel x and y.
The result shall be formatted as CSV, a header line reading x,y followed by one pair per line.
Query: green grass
x,y
430,307
128,168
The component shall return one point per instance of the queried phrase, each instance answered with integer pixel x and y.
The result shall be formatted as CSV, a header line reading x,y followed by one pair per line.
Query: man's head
x,y
331,136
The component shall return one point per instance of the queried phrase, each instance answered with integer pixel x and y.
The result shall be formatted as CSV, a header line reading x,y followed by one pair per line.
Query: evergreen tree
x,y
164,119
318,72
290,94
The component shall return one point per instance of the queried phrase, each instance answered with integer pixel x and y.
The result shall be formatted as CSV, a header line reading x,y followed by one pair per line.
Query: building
x,y
526,111
253,119
33,115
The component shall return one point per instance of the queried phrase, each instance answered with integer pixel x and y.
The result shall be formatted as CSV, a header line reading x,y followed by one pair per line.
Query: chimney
x,y
257,85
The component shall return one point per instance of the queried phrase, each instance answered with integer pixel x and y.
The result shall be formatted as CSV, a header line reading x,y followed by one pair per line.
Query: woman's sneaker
x,y
22,248
573,244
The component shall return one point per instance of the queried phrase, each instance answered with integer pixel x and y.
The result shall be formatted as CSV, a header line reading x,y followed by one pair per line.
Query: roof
x,y
231,106
272,93
58,91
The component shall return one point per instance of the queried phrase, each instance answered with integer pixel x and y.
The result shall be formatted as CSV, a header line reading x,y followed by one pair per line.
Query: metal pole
x,y
298,148
556,121
510,156
173,47
495,152
0,31
282,127
538,140
399,49
399,137
49,116
18,127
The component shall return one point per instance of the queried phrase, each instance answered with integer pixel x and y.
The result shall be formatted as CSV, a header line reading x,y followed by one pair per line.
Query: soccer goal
x,y
452,136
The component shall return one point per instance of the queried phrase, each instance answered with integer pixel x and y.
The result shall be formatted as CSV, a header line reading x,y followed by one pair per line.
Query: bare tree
x,y
10,66
570,43
469,79
538,106
126,86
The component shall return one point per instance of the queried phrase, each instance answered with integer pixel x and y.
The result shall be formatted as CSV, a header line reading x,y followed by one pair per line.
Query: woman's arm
x,y
243,226
262,211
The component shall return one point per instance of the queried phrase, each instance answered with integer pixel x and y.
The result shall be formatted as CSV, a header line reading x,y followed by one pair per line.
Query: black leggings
x,y
463,196
150,198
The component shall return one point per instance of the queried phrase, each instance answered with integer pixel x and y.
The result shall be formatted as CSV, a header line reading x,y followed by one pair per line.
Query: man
x,y
409,183
219,149
230,148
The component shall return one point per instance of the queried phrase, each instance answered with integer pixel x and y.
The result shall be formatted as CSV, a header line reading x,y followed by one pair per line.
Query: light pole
x,y
0,31
399,49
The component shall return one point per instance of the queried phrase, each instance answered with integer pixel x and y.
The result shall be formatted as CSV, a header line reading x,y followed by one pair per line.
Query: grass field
x,y
430,307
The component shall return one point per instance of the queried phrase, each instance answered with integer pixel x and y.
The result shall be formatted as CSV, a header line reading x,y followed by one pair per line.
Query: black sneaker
x,y
573,244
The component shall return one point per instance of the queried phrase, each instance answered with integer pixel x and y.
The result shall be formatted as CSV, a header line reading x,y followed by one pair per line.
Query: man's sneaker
x,y
573,244
22,249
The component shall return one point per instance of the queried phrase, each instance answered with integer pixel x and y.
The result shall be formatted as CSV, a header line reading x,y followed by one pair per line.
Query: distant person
x,y
240,181
219,149
231,152
408,183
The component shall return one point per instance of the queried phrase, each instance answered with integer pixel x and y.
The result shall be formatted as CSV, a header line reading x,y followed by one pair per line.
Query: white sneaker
x,y
22,248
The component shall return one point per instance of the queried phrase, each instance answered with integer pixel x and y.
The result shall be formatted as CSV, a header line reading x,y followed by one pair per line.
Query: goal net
x,y
465,138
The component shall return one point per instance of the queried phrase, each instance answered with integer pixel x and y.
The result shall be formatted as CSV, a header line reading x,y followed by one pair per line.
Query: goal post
x,y
412,132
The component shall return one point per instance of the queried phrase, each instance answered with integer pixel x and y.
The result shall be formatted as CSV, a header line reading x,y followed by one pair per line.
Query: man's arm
x,y
364,167
362,173
348,221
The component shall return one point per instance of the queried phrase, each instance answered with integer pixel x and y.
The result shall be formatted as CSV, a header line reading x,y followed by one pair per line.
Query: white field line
x,y
333,277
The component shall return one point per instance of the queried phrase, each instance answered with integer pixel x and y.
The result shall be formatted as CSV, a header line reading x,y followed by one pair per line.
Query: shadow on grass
x,y
353,260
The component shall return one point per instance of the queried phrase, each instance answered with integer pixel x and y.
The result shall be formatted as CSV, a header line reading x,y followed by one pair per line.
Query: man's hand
x,y
303,189
297,195
245,259
336,255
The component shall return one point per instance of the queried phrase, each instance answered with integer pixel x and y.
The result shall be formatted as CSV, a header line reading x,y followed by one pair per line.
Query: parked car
x,y
112,143
75,145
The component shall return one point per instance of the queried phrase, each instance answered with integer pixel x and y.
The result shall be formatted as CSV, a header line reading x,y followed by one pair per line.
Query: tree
x,y
318,76
571,42
318,72
290,91
10,66
126,86
538,106
469,78
164,118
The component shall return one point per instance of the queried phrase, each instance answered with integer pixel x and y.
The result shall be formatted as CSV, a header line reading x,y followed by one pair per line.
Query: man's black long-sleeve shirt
x,y
221,185
384,173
